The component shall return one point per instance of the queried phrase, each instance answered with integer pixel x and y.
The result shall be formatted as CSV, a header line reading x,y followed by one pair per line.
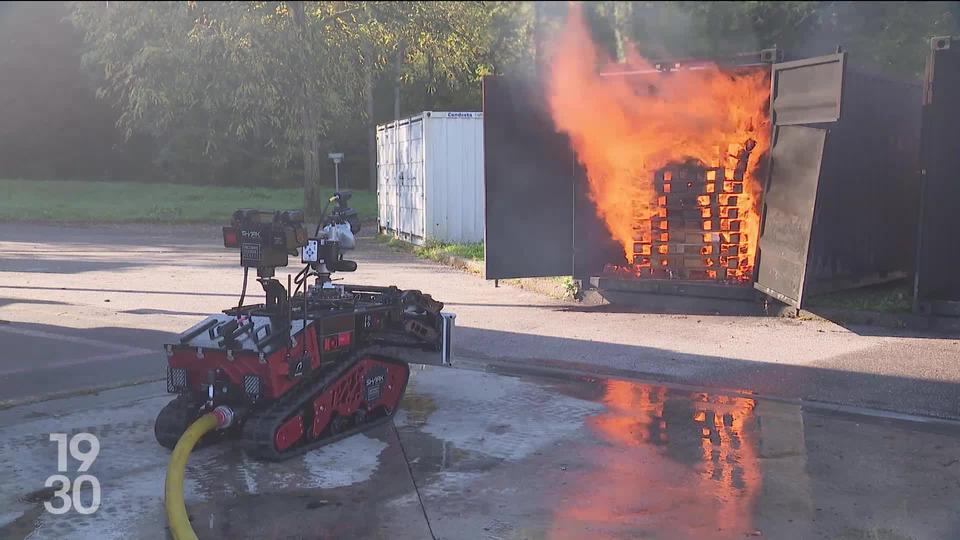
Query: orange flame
x,y
625,128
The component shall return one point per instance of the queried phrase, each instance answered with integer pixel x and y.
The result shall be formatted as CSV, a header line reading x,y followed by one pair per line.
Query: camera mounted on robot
x,y
265,239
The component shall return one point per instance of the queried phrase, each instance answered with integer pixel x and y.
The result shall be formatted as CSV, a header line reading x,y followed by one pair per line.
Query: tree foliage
x,y
262,88
280,74
892,37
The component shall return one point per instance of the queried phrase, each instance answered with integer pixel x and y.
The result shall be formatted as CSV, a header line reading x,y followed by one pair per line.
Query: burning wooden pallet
x,y
697,229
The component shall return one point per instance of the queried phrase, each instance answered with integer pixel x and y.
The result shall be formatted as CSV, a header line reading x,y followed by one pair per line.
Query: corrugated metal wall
x,y
454,161
430,177
400,176
412,178
386,172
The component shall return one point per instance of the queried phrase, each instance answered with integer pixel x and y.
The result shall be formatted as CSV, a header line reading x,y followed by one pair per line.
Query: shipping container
x,y
838,205
430,177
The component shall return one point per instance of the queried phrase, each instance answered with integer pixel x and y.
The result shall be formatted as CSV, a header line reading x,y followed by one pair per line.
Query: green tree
x,y
891,37
433,49
283,74
258,88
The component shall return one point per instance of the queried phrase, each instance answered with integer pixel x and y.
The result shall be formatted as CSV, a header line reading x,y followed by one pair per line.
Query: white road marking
x,y
121,351
73,339
81,361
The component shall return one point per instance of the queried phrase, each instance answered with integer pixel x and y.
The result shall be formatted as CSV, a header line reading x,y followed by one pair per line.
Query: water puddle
x,y
658,462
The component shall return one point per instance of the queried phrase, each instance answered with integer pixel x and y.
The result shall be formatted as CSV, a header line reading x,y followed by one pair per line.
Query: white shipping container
x,y
430,177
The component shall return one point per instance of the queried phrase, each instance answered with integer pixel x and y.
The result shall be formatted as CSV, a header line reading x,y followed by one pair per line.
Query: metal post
x,y
396,122
337,157
399,175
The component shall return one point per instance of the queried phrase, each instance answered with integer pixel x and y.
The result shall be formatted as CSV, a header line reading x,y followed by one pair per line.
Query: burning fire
x,y
629,128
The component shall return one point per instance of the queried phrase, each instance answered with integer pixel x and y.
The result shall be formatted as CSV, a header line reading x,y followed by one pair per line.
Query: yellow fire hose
x,y
177,518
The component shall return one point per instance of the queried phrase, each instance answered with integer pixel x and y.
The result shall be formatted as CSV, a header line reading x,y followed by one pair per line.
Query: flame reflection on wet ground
x,y
662,450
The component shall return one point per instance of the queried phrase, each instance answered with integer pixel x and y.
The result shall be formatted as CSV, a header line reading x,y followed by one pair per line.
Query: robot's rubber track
x,y
258,433
173,420
175,417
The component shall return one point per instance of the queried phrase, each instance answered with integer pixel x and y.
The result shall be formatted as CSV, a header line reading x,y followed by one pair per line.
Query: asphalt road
x,y
88,307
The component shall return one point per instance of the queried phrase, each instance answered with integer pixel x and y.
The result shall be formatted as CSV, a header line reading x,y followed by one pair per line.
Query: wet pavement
x,y
495,455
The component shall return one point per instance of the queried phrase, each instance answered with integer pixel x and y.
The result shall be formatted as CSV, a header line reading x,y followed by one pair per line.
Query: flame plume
x,y
626,128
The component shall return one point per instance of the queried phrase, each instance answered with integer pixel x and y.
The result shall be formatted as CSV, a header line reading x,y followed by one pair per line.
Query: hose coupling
x,y
225,416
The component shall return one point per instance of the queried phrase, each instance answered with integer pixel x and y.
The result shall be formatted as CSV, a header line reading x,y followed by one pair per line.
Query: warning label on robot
x,y
374,381
249,252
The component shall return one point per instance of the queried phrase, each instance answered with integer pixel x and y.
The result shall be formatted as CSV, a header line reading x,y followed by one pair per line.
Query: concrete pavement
x,y
81,306
506,453
477,455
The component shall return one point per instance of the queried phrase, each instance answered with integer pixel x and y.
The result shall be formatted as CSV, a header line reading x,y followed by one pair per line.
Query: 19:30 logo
x,y
70,498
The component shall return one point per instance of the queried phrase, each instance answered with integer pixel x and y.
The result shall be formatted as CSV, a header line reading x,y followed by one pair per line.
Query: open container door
x,y
936,286
528,184
805,95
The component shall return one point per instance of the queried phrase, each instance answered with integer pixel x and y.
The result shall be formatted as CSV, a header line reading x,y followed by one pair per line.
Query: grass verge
x,y
435,251
118,202
895,297
439,251
562,287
